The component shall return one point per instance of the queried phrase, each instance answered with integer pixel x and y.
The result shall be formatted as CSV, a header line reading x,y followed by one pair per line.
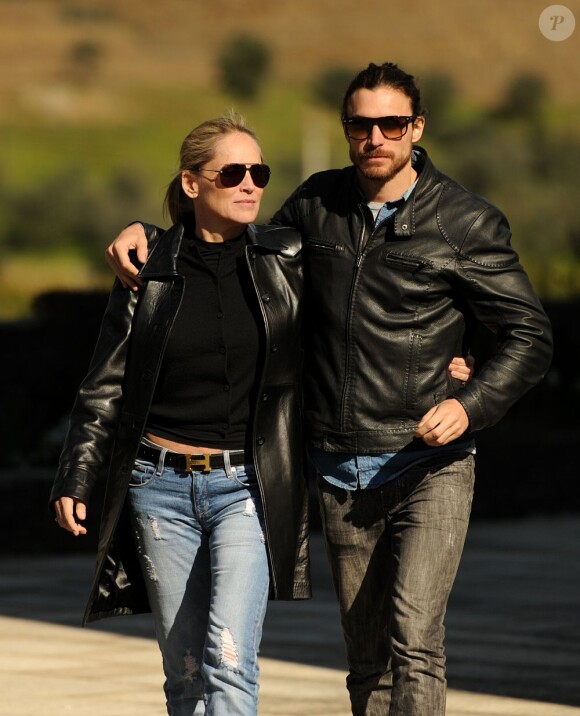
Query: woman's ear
x,y
189,184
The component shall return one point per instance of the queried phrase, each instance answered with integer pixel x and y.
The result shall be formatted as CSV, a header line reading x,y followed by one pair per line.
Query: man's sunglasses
x,y
233,174
392,127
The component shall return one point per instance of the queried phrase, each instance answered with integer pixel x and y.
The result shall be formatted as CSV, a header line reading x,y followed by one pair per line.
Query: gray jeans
x,y
394,553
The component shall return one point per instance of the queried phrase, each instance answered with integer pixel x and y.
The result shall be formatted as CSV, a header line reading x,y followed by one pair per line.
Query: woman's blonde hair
x,y
196,150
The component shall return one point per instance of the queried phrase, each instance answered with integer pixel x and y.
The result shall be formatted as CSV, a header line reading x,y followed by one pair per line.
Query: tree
x,y
243,64
330,85
524,97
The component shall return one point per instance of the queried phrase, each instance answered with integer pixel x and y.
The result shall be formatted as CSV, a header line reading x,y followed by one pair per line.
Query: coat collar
x,y
164,247
404,218
163,252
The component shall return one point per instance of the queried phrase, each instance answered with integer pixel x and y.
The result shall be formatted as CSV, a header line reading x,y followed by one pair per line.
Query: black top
x,y
209,375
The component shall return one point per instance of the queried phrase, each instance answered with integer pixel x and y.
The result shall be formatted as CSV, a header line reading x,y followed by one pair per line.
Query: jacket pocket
x,y
321,246
408,264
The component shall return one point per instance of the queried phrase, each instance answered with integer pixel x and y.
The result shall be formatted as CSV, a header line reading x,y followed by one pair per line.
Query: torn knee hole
x,y
250,510
229,654
155,528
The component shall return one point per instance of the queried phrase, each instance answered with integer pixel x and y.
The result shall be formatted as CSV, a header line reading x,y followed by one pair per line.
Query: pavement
x,y
513,636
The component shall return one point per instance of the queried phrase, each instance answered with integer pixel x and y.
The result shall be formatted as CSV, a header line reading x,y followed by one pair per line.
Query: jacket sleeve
x,y
289,213
95,414
490,278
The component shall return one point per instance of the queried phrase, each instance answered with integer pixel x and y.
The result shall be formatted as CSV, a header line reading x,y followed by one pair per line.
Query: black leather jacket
x,y
110,413
389,308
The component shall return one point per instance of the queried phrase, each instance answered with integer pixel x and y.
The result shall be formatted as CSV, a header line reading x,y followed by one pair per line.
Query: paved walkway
x,y
513,636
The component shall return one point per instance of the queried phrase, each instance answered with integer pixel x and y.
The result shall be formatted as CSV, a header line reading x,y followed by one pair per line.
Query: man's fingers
x,y
128,277
443,423
117,255
426,424
142,250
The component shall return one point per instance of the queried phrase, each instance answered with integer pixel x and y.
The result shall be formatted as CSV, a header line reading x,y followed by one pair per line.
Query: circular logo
x,y
557,23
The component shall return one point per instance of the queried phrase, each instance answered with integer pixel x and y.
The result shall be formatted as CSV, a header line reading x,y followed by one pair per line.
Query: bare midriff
x,y
183,448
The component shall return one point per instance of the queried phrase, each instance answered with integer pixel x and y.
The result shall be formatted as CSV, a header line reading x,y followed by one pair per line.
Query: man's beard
x,y
381,174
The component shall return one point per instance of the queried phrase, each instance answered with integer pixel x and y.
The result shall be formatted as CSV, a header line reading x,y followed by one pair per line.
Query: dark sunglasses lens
x,y
232,174
392,127
359,127
260,174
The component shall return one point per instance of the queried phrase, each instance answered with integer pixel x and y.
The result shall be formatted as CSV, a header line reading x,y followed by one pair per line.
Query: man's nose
x,y
376,136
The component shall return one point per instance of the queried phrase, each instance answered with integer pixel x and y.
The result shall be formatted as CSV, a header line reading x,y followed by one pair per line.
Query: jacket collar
x,y
163,253
164,248
404,218
275,239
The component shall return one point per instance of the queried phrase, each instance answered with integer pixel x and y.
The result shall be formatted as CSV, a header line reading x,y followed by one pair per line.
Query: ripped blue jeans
x,y
200,539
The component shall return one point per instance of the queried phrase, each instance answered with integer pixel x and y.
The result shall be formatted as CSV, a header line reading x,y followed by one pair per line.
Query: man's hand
x,y
462,368
117,255
445,422
70,512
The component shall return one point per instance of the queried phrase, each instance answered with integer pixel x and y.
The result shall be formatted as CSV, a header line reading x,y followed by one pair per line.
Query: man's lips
x,y
375,156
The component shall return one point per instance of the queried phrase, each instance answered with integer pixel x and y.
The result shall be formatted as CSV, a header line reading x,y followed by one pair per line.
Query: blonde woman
x,y
191,412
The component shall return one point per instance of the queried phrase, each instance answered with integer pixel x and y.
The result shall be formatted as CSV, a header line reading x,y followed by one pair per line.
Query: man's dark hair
x,y
385,75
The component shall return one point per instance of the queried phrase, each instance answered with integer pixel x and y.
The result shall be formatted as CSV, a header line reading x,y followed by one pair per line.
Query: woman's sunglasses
x,y
392,127
233,174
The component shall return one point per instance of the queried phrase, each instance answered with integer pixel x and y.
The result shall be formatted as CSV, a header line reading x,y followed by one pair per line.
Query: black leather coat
x,y
110,413
392,305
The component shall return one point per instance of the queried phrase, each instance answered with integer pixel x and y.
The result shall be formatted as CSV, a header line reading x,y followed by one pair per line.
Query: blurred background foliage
x,y
95,98
66,191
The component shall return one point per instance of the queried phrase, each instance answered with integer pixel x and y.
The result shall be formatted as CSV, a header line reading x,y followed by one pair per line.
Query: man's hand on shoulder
x,y
445,422
117,255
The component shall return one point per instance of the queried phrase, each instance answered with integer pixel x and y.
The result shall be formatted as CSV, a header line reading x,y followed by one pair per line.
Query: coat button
x,y
274,348
261,440
251,254
266,298
265,396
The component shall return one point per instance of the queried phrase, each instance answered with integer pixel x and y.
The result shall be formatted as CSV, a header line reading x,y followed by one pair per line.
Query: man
x,y
402,264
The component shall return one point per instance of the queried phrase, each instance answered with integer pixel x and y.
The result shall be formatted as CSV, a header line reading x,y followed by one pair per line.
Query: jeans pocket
x,y
143,473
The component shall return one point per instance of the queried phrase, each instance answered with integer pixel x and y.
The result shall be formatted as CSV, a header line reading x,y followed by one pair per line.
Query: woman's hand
x,y
117,255
70,512
462,368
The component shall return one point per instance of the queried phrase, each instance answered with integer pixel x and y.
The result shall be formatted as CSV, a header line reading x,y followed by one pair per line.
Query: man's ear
x,y
418,127
189,183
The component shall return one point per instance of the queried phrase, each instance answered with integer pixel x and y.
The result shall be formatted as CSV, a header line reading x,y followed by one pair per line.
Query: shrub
x,y
243,64
330,85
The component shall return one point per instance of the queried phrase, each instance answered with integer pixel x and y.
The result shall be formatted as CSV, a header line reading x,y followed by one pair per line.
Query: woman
x,y
191,410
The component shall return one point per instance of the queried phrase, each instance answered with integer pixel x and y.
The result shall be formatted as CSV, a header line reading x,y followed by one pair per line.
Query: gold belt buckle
x,y
203,462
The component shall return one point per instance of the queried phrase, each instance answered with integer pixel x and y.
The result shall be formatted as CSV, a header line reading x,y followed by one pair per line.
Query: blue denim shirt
x,y
354,472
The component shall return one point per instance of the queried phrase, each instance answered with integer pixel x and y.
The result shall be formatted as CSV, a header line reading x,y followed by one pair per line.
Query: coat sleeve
x,y
289,213
493,283
95,414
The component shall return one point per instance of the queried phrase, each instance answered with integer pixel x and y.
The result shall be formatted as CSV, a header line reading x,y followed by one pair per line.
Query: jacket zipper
x,y
361,246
